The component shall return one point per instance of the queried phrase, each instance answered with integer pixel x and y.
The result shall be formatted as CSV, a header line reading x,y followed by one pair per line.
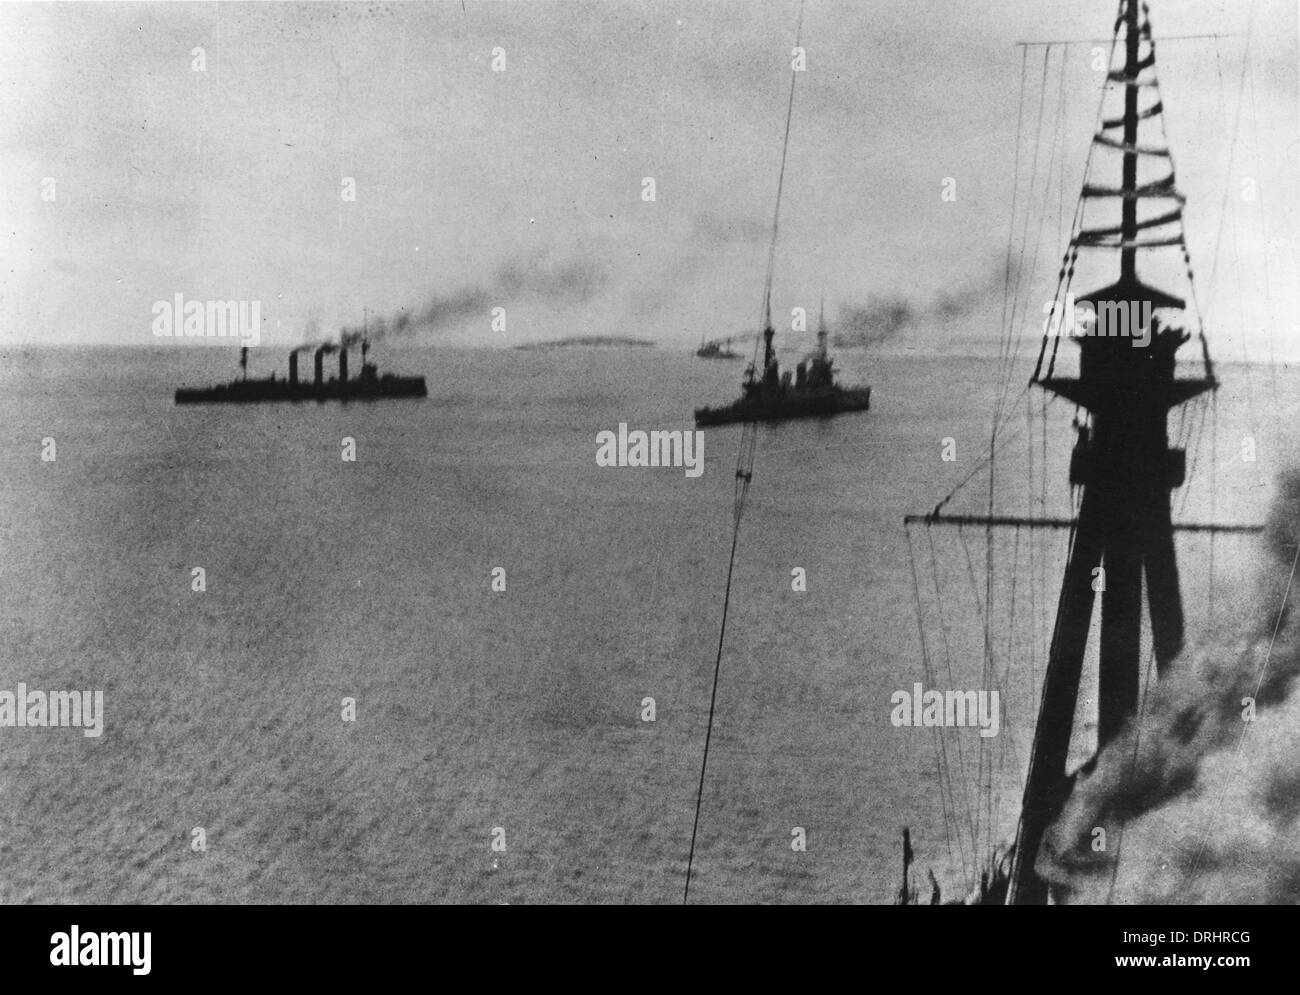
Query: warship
x,y
717,349
773,396
770,395
368,386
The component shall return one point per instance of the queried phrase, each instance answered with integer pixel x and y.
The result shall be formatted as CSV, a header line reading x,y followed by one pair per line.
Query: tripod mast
x,y
1126,469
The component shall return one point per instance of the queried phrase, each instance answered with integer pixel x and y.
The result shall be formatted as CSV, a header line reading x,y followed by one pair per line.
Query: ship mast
x,y
821,328
1125,467
770,372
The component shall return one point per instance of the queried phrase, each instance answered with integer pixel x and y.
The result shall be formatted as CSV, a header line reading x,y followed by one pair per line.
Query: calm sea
x,y
518,711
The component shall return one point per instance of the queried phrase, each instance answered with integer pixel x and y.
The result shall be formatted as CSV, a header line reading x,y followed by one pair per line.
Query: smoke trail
x,y
533,276
882,317
1207,802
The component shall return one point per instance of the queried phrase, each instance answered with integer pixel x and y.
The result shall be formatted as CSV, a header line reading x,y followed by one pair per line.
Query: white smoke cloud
x,y
1200,805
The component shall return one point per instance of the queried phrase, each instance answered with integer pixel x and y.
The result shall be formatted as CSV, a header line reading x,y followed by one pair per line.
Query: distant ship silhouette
x,y
368,386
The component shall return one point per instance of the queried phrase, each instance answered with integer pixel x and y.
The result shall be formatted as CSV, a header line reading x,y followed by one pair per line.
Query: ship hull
x,y
794,404
260,391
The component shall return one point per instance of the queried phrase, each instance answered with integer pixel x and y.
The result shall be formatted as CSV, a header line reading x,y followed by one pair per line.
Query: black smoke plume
x,y
883,316
534,276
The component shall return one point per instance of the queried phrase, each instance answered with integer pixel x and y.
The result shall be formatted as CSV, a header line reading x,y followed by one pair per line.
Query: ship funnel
x,y
343,364
293,367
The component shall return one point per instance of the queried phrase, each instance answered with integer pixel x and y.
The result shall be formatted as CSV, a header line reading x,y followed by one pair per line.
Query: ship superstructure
x,y
369,385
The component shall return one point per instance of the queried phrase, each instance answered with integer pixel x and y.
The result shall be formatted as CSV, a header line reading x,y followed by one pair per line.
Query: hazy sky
x,y
522,188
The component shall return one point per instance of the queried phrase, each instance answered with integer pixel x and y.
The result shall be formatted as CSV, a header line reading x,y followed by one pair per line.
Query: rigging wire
x,y
1012,337
1066,274
744,474
1006,674
1214,496
780,184
1004,411
985,790
951,825
1044,605
987,457
1008,293
1263,231
947,657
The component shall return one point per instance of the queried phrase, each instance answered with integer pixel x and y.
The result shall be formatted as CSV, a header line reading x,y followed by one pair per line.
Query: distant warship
x,y
366,387
769,395
717,349
773,397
